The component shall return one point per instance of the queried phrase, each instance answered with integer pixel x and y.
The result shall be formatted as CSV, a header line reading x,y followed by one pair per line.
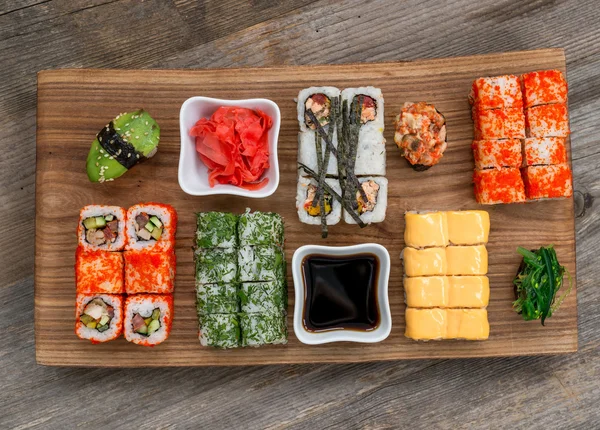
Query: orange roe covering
x,y
98,271
499,92
82,300
497,153
499,123
543,87
495,186
166,318
546,150
547,120
548,181
149,272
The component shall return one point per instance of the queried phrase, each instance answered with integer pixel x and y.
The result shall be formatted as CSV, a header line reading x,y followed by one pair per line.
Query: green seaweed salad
x,y
538,280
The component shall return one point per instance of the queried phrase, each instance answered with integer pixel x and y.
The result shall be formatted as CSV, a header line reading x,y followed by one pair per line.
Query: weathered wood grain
x,y
531,392
88,97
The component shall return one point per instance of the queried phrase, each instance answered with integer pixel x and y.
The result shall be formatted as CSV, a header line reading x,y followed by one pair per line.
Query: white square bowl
x,y
193,174
385,318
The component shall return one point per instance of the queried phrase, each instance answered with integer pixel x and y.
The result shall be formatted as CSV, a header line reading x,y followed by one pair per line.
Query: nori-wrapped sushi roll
x,y
121,144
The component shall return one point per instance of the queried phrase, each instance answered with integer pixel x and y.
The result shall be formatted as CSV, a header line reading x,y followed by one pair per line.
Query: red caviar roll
x,y
98,271
544,87
149,272
499,123
497,153
499,92
151,227
547,182
547,120
495,186
99,317
544,150
102,227
148,318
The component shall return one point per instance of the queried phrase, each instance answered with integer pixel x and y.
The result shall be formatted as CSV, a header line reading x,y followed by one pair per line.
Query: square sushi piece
x,y
497,153
494,186
370,153
305,194
424,262
216,230
498,92
149,272
319,101
217,299
261,263
447,291
99,271
468,227
544,151
547,182
263,328
547,121
544,87
99,317
219,330
439,324
425,229
102,228
216,265
372,211
151,227
260,228
499,123
307,152
148,318
468,291
467,260
263,297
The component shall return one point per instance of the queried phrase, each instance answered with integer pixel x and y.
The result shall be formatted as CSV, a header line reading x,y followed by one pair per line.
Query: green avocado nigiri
x,y
121,144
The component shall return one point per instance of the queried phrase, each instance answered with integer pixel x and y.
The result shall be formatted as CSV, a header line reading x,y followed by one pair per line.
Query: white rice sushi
x,y
102,227
372,110
148,318
312,215
99,317
373,211
318,100
151,227
370,153
307,153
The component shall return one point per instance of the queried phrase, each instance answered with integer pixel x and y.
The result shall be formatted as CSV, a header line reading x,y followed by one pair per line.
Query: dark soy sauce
x,y
341,292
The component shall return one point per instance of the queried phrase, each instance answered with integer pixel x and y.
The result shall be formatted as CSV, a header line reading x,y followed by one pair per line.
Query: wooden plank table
x,y
533,392
72,104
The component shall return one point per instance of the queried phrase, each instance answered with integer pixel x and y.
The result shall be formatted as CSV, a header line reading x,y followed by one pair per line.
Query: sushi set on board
x,y
300,214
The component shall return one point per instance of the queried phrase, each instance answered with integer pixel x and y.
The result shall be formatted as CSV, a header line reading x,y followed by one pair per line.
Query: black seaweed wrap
x,y
114,145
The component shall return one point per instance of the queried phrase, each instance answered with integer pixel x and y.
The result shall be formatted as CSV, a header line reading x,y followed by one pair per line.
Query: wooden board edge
x,y
53,75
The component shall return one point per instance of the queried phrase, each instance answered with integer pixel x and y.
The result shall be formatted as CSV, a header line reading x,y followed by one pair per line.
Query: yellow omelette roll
x,y
438,324
447,291
426,229
468,291
424,262
468,227
466,260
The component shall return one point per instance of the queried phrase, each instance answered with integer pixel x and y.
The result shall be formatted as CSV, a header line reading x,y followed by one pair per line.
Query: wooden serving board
x,y
74,104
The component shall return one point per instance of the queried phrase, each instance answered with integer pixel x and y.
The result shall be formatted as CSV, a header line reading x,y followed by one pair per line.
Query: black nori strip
x,y
335,195
419,167
122,151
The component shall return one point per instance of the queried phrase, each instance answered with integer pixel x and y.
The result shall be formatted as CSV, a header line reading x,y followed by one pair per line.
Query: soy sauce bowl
x,y
313,337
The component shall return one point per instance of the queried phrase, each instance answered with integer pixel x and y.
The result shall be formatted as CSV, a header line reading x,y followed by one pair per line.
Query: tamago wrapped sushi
x,y
121,144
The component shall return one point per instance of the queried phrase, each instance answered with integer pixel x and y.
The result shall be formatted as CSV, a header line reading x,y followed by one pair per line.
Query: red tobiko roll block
x,y
149,272
497,153
498,92
547,121
544,87
547,182
98,271
499,123
544,150
493,186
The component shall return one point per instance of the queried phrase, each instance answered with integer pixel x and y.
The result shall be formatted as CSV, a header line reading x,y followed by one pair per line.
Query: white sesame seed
x,y
146,134
127,125
100,139
146,122
111,158
105,155
96,164
137,137
132,129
